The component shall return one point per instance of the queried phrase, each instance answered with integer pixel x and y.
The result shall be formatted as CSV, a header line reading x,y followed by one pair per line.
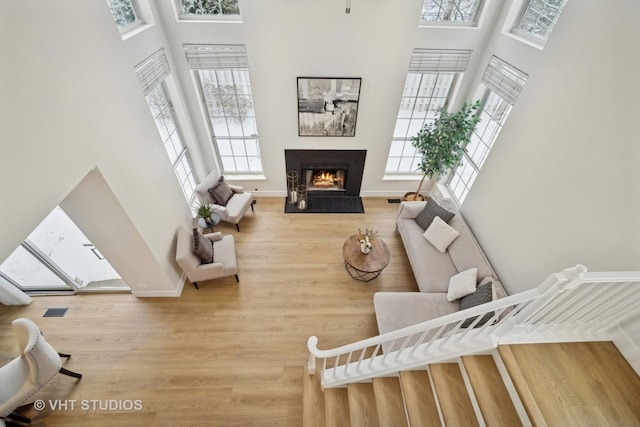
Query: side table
x,y
215,220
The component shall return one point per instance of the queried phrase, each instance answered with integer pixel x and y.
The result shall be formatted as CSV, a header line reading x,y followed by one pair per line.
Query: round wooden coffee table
x,y
365,267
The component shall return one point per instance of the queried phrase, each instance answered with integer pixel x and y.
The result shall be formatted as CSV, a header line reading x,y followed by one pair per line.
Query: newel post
x,y
312,345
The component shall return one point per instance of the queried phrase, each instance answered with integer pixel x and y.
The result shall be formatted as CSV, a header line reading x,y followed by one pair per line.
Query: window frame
x,y
209,117
206,17
532,38
416,158
467,159
139,22
473,22
183,156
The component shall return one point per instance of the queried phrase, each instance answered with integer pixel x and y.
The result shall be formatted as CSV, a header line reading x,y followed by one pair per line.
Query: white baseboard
x,y
625,344
268,193
162,294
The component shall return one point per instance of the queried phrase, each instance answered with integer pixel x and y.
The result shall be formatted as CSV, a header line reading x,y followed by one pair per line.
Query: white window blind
x,y
504,79
439,60
216,56
152,71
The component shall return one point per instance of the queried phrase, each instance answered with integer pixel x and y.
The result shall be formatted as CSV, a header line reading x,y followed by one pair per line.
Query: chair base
x,y
235,275
70,373
14,417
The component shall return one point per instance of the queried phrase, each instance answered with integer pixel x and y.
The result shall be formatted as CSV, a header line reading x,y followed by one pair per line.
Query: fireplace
x,y
328,172
323,179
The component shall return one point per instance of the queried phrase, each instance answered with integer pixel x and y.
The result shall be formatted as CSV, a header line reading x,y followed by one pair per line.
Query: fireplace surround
x,y
328,172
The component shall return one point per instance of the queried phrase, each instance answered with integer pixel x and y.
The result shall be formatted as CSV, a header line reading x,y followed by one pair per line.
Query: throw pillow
x,y
431,210
463,283
221,192
440,234
202,247
482,295
486,280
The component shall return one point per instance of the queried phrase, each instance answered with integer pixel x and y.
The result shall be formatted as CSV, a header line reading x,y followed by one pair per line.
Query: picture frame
x,y
328,106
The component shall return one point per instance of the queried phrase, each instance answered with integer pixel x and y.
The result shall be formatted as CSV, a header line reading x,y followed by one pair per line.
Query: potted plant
x,y
204,210
441,144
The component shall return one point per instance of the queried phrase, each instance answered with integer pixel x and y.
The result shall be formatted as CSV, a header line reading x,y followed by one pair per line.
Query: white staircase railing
x,y
569,306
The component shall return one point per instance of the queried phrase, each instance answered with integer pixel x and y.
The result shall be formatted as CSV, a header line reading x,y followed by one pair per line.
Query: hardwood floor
x,y
227,354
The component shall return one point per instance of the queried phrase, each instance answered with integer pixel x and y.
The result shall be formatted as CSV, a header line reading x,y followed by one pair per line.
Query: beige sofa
x,y
432,270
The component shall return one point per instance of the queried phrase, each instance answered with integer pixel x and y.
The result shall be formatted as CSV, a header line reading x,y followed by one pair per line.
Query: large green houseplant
x,y
441,143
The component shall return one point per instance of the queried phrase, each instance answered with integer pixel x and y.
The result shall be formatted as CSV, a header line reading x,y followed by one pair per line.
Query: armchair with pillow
x,y
206,256
230,201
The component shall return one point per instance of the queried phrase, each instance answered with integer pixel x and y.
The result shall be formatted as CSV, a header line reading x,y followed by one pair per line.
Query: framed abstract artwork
x,y
328,106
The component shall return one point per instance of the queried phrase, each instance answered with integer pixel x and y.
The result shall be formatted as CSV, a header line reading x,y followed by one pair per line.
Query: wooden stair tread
x,y
312,401
362,405
419,399
336,407
592,383
493,398
389,403
455,403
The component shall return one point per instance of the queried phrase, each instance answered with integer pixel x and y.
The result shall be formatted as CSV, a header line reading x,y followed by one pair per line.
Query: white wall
x,y
70,102
560,186
309,38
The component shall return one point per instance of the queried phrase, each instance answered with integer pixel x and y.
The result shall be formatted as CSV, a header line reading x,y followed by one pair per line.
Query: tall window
x,y
223,75
538,17
125,13
208,8
504,83
451,11
431,77
151,73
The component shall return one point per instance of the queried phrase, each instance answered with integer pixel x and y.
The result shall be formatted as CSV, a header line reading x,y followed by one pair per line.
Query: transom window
x,y
208,8
424,94
538,17
456,11
125,13
163,115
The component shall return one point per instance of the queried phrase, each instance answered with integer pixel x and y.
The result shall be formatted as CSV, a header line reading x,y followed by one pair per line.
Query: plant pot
x,y
411,197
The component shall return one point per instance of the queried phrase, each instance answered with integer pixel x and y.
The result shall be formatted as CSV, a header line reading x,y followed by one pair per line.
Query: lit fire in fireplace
x,y
324,179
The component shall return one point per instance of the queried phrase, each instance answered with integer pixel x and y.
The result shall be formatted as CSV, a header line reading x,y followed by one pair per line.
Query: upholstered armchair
x,y
224,257
25,375
231,210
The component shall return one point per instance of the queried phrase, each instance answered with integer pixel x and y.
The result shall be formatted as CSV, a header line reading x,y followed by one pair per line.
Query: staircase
x,y
555,384
545,358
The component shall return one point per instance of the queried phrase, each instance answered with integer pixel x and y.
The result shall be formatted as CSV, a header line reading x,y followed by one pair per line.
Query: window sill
x,y
536,45
212,20
402,177
449,26
135,31
244,177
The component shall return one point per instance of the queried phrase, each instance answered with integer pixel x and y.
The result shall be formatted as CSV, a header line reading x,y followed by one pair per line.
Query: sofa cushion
x,y
202,247
396,310
221,192
431,210
202,189
483,294
465,251
440,234
431,268
461,284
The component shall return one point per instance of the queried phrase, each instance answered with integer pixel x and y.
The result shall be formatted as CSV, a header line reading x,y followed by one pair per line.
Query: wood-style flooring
x,y
228,354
